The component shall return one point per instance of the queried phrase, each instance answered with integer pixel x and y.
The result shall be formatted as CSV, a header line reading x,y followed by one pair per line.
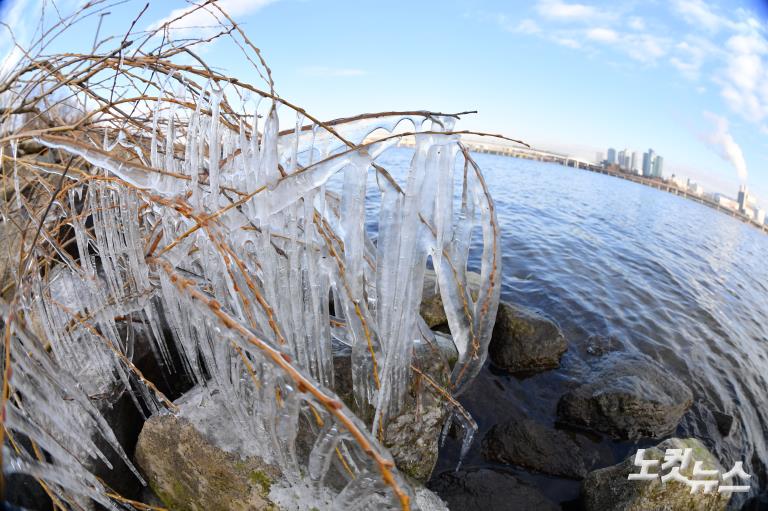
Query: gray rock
x,y
432,309
599,345
488,490
524,341
609,488
24,492
629,396
532,445
412,437
447,348
723,421
126,421
198,460
756,503
190,467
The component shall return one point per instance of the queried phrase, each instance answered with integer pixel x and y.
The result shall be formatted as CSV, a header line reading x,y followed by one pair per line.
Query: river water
x,y
657,273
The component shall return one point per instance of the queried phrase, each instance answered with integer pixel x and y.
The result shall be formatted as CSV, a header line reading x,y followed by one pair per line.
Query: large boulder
x,y
609,488
488,490
629,396
197,459
528,444
191,464
525,341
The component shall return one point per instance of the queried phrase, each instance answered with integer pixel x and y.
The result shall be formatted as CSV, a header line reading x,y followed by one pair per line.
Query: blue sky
x,y
688,78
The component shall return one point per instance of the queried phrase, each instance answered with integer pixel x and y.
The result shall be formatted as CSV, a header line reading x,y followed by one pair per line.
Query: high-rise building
x,y
611,156
695,188
658,166
635,163
760,216
622,159
599,159
743,198
648,159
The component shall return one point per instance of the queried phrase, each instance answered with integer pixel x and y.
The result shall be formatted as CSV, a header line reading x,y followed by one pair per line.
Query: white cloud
x,y
636,23
700,14
527,26
727,50
747,43
645,48
330,72
688,59
567,42
559,10
744,80
721,142
603,35
204,20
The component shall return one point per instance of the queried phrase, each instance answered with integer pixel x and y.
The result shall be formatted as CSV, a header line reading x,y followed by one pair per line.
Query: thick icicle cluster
x,y
172,208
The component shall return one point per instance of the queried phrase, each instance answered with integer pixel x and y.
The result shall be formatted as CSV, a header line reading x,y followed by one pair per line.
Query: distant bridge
x,y
530,154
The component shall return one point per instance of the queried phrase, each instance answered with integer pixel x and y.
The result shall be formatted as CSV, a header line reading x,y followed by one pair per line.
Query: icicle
x,y
231,243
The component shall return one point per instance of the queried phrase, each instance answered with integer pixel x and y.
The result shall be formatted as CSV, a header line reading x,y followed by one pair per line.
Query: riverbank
x,y
623,268
568,161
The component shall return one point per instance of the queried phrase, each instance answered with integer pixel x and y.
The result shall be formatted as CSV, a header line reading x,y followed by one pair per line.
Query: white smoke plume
x,y
721,141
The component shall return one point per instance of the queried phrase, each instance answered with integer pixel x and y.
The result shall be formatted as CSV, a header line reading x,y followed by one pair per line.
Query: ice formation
x,y
167,200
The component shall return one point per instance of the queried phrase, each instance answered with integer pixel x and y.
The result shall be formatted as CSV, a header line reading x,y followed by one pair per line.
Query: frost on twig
x,y
141,187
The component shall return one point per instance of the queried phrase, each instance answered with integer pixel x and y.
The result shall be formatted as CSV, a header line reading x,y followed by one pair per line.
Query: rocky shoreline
x,y
195,459
625,398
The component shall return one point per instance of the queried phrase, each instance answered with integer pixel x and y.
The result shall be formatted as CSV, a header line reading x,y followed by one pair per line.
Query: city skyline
x,y
686,75
653,167
745,206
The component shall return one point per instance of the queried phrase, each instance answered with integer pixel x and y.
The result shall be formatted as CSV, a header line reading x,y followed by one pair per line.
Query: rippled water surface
x,y
660,274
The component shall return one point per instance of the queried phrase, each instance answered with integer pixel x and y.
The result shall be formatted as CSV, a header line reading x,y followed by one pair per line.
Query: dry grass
x,y
96,141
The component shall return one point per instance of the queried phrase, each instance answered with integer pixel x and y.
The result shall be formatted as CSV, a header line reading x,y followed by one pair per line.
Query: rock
x,y
488,490
524,341
447,348
608,488
599,345
723,421
126,421
24,492
195,460
427,500
756,503
190,467
412,437
432,309
528,444
630,396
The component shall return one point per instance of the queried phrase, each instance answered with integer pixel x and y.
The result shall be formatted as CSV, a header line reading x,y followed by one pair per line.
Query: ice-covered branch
x,y
186,224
